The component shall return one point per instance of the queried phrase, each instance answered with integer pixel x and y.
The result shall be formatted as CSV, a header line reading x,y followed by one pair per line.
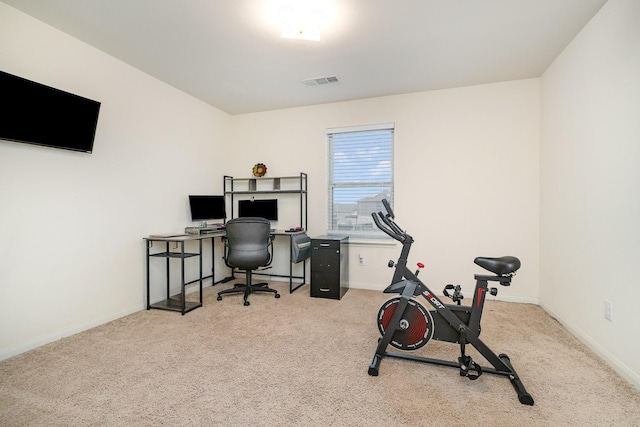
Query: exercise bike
x,y
406,324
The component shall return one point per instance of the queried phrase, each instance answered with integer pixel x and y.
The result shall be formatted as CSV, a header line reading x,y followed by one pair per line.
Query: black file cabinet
x,y
329,266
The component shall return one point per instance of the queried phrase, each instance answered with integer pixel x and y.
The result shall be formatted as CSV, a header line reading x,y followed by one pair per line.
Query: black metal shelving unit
x,y
293,185
236,188
178,301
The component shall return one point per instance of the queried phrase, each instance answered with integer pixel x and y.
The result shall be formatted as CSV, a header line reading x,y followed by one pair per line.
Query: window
x,y
360,175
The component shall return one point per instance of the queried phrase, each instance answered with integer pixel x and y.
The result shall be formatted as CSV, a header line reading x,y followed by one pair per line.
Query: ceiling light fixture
x,y
301,20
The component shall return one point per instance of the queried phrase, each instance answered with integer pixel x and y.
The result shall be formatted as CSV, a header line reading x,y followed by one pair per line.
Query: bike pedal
x,y
469,369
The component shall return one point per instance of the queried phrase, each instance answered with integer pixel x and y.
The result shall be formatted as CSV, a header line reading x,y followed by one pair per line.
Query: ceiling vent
x,y
319,81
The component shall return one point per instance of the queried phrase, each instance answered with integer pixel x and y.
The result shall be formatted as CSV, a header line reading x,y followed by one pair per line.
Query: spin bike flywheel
x,y
415,327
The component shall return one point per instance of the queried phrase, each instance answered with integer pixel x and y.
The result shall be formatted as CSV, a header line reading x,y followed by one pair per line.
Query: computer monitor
x,y
205,208
265,208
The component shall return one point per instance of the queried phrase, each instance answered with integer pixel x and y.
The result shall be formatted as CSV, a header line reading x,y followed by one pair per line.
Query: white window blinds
x,y
360,175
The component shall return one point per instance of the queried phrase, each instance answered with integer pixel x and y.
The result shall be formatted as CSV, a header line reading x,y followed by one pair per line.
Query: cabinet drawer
x,y
325,285
326,245
325,280
322,260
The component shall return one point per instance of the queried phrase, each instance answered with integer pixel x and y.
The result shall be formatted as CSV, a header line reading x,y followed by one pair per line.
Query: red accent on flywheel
x,y
418,324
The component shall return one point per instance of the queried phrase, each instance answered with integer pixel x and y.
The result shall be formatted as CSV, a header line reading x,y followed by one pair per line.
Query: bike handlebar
x,y
386,229
387,206
391,224
389,227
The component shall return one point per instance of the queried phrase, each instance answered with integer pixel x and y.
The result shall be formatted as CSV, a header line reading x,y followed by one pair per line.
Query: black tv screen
x,y
207,207
33,113
267,208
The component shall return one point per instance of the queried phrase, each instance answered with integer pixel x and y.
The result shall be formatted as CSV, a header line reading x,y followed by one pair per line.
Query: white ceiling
x,y
229,53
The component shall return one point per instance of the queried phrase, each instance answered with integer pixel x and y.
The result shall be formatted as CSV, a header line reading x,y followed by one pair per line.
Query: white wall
x,y
71,224
466,168
467,179
590,192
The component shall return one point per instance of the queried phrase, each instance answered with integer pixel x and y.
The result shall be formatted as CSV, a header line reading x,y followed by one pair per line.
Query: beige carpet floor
x,y
301,361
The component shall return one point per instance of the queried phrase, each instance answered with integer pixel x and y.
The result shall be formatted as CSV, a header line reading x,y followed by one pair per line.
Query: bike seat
x,y
500,266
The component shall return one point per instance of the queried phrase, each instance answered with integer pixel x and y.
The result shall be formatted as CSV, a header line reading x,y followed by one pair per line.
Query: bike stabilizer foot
x,y
375,365
523,396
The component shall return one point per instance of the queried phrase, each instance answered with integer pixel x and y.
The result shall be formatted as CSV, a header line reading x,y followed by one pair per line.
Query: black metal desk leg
x,y
168,280
213,262
290,265
200,244
182,275
148,280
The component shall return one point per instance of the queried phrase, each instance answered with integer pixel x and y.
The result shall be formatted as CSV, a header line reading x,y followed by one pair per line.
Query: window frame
x,y
373,234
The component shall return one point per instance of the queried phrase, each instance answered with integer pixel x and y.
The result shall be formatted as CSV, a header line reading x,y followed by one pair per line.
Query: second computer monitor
x,y
265,208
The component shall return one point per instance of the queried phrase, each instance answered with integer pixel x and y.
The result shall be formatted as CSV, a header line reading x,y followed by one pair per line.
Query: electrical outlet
x,y
362,260
608,310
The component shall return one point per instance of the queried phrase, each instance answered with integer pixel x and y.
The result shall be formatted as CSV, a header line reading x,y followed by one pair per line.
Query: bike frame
x,y
408,285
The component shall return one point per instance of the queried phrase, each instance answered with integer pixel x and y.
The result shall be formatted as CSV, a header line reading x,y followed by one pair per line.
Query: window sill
x,y
363,241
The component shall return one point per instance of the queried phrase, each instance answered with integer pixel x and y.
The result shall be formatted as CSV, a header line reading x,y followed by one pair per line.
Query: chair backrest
x,y
248,242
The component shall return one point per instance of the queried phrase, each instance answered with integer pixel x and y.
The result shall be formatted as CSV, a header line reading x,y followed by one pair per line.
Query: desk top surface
x,y
180,237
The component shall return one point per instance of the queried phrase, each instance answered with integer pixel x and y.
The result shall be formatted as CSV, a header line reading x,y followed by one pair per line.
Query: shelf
x,y
267,192
278,185
267,178
174,255
175,304
266,185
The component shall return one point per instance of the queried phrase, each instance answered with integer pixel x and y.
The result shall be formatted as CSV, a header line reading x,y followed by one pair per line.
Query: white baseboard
x,y
46,339
611,360
521,300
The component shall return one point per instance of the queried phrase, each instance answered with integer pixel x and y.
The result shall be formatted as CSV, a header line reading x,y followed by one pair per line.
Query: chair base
x,y
247,289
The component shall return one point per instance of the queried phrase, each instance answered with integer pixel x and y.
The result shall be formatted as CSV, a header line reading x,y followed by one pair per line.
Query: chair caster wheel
x,y
219,298
246,303
277,295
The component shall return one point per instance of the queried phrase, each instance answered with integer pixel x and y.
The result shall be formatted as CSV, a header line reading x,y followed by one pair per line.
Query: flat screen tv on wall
x,y
33,113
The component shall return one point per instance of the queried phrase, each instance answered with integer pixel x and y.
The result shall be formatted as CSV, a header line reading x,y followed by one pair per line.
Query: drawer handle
x,y
325,245
325,289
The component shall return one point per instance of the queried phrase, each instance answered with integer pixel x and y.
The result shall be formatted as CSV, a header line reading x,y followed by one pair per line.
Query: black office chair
x,y
248,246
